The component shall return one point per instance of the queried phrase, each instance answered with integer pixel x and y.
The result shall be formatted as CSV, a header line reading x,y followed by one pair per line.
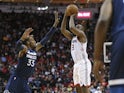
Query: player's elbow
x,y
102,22
104,19
62,29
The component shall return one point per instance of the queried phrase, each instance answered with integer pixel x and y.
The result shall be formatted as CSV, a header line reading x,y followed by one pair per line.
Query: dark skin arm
x,y
101,29
64,31
80,34
38,45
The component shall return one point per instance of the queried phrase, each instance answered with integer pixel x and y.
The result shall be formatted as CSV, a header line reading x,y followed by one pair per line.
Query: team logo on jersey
x,y
31,55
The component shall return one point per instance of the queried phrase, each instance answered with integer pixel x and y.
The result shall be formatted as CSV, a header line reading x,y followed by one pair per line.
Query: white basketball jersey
x,y
78,50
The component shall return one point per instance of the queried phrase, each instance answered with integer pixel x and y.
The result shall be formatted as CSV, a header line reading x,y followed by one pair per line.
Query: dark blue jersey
x,y
117,17
117,54
25,67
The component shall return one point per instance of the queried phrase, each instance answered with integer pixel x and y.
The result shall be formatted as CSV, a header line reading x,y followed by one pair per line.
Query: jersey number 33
x,y
31,62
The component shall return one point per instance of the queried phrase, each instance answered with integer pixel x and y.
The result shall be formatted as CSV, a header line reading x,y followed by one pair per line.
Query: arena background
x,y
53,73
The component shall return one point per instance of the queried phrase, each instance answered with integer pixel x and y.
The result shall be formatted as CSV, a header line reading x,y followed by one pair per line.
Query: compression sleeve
x,y
48,36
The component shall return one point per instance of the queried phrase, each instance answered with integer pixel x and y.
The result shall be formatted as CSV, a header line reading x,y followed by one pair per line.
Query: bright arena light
x,y
42,8
84,14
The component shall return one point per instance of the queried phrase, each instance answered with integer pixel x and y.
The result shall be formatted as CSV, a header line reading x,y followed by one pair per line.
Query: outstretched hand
x,y
56,19
98,70
26,33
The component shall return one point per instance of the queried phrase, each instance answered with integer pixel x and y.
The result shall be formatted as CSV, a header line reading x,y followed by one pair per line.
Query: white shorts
x,y
82,72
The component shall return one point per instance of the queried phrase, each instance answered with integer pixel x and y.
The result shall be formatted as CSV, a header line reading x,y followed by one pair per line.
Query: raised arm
x,y
64,31
78,31
100,36
49,34
20,47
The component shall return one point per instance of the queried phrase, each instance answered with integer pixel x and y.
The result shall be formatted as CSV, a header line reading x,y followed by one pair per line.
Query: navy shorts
x,y
17,85
117,57
116,81
117,89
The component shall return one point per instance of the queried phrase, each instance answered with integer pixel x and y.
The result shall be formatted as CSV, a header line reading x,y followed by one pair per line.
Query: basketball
x,y
71,9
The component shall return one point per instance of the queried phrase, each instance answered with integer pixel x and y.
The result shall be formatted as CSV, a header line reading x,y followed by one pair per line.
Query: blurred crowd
x,y
54,69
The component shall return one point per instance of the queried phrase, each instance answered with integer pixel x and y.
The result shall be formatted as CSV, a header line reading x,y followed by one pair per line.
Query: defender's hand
x,y
56,19
98,70
26,33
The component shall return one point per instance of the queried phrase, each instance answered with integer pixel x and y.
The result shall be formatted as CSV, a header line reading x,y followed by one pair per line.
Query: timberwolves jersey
x,y
118,16
117,54
26,64
78,50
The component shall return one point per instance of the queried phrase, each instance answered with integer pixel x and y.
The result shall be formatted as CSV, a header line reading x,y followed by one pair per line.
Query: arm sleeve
x,y
48,36
19,45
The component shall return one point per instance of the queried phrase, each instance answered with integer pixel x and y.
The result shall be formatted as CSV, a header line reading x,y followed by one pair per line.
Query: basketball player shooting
x,y
27,55
82,65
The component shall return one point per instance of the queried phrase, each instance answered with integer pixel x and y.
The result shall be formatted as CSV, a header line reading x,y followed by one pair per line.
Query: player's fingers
x,y
96,72
56,14
28,31
98,76
95,68
102,73
102,68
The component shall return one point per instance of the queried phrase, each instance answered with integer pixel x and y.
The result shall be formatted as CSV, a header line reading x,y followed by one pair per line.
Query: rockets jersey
x,y
78,50
118,17
26,64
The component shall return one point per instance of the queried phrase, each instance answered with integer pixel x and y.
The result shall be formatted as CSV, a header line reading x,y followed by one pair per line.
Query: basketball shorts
x,y
82,73
116,81
117,60
17,85
117,89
